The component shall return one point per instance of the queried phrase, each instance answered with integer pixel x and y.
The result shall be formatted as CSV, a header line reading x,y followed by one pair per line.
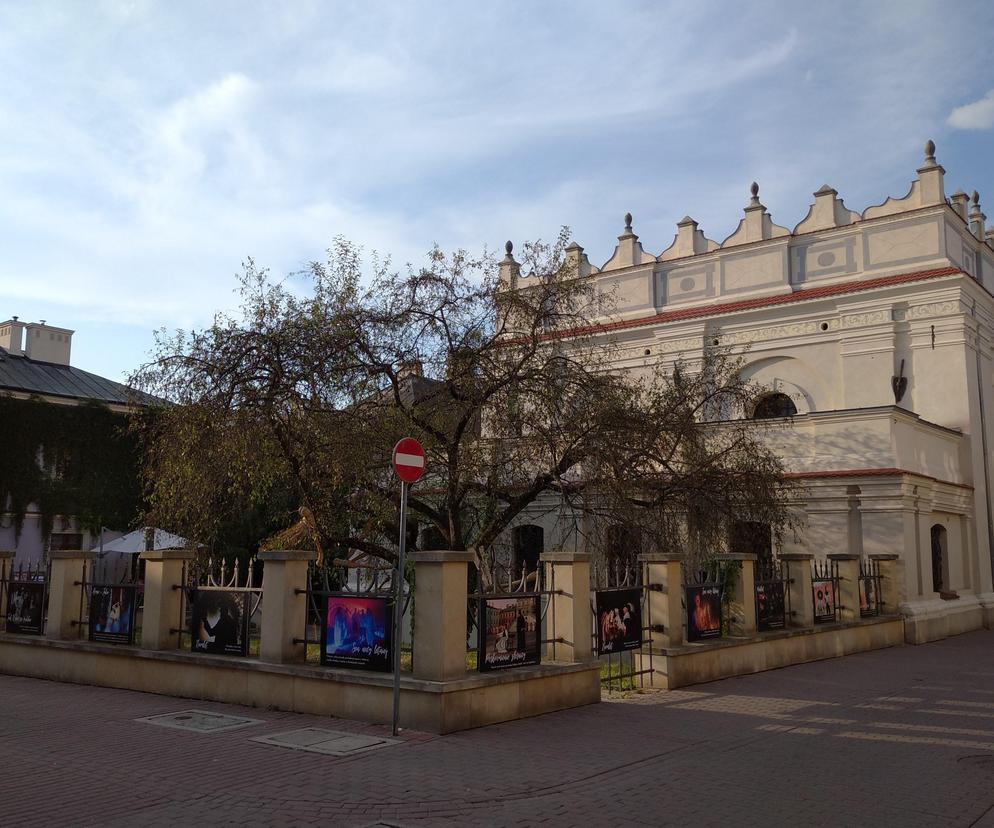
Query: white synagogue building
x,y
875,332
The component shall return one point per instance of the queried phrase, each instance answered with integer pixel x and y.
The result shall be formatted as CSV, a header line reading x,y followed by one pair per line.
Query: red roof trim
x,y
764,301
869,473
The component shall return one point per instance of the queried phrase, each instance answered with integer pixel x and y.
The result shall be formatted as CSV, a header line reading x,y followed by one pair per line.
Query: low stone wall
x,y
433,706
936,619
697,663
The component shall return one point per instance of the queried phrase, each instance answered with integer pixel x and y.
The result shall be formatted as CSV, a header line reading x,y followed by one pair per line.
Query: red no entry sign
x,y
409,460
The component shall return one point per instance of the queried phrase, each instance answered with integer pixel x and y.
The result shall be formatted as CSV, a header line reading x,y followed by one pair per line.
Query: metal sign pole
x,y
398,609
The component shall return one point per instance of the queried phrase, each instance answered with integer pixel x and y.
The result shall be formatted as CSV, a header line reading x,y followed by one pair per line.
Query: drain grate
x,y
328,742
980,760
199,721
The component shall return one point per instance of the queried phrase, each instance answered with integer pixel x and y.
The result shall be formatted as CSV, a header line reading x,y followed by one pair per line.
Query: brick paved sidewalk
x,y
895,737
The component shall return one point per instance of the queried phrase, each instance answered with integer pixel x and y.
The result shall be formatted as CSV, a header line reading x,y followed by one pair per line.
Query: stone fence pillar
x,y
798,574
163,596
65,591
892,588
847,600
570,617
743,603
664,579
284,605
6,566
440,606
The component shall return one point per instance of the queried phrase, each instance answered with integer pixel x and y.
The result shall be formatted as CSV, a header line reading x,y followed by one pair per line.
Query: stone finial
x,y
628,222
754,190
974,204
930,151
977,217
510,270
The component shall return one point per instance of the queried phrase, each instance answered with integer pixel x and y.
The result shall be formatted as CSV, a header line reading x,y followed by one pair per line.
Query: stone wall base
x,y
435,707
697,663
936,619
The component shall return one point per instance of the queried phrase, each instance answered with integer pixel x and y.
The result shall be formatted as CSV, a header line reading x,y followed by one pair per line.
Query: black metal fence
x,y
870,589
354,601
772,587
825,591
220,608
622,623
25,587
508,623
110,604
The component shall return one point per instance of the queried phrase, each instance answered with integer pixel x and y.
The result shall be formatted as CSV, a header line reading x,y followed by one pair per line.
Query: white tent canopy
x,y
135,542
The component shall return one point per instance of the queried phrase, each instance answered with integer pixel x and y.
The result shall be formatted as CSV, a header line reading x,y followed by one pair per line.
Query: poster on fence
x,y
703,612
823,590
770,606
511,629
219,622
619,620
869,604
357,633
112,614
26,608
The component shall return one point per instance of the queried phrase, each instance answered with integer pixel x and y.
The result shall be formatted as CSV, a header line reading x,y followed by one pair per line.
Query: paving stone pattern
x,y
895,737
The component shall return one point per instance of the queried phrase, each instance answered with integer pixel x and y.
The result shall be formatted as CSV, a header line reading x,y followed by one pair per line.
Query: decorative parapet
x,y
688,241
629,250
757,225
926,190
827,211
916,234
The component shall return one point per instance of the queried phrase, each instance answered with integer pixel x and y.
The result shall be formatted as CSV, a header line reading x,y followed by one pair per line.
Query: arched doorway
x,y
940,557
527,545
751,537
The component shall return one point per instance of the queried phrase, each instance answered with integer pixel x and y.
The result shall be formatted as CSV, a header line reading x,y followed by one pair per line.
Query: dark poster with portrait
x,y
703,612
619,620
510,632
357,633
112,614
219,622
869,600
770,606
823,593
26,607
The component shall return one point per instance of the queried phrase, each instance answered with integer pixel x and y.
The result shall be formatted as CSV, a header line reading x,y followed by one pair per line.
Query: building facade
x,y
66,468
875,333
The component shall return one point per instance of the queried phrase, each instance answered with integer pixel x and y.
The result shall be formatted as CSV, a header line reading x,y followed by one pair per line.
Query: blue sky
x,y
147,148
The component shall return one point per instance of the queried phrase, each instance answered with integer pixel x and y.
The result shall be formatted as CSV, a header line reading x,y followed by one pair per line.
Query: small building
x,y
67,465
874,333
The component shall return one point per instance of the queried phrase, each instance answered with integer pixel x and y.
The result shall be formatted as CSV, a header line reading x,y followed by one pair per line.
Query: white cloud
x,y
149,148
976,115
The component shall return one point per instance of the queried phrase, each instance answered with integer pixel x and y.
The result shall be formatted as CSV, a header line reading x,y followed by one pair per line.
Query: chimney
x,y
46,343
12,336
410,368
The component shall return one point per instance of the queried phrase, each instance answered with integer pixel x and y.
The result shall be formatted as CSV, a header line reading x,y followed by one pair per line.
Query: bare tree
x,y
510,391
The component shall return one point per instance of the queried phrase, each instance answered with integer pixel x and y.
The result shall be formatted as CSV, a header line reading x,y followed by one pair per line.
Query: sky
x,y
147,149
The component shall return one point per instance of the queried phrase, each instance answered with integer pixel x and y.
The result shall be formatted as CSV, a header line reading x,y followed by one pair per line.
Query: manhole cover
x,y
199,721
328,742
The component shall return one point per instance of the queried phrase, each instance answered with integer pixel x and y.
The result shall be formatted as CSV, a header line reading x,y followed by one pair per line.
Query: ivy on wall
x,y
70,460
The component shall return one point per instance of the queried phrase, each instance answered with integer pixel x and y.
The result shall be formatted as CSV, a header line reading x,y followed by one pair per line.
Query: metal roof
x,y
19,373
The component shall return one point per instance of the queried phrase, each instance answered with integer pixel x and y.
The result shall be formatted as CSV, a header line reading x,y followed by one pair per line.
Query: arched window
x,y
939,557
527,545
773,406
622,545
751,537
